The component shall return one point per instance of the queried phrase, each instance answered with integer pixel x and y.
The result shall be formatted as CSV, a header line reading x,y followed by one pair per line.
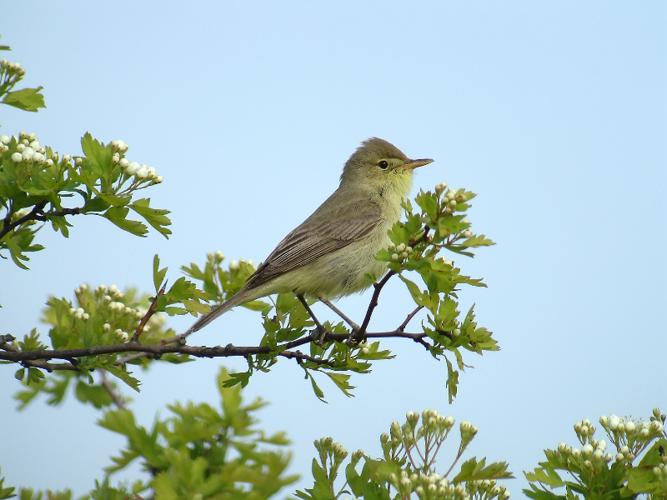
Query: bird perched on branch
x,y
331,253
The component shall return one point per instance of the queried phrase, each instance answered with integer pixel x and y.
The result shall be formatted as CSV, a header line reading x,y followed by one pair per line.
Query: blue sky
x,y
555,113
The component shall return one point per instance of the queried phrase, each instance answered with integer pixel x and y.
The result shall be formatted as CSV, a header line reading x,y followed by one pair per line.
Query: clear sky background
x,y
555,113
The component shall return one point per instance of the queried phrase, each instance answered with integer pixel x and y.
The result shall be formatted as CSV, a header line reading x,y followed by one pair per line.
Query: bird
x,y
332,252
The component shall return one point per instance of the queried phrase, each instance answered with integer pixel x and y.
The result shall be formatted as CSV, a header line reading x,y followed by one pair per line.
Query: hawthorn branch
x,y
108,386
151,310
358,335
37,213
286,350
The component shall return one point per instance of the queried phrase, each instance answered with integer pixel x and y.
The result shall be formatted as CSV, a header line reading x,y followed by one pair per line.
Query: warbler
x,y
331,253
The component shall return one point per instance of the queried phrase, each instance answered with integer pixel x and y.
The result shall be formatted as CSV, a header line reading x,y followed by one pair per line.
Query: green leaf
x,y
124,376
156,217
316,388
118,215
342,382
158,274
30,99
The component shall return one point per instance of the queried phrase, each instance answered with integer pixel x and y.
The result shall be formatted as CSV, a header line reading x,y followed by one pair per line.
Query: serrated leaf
x,y
29,99
118,215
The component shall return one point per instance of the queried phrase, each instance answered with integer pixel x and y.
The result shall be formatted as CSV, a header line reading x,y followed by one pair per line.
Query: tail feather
x,y
218,310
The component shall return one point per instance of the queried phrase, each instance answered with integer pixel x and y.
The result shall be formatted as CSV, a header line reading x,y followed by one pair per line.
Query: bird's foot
x,y
318,335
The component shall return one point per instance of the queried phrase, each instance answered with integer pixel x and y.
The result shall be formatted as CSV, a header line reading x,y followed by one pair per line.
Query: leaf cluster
x,y
39,187
407,468
636,465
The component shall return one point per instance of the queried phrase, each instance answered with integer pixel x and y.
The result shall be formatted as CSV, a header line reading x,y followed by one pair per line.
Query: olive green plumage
x,y
332,251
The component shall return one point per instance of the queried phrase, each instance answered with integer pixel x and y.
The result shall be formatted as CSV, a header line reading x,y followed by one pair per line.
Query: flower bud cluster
x,y
468,432
452,198
28,149
215,257
400,252
427,486
487,488
139,171
590,456
112,304
660,471
584,430
630,436
11,69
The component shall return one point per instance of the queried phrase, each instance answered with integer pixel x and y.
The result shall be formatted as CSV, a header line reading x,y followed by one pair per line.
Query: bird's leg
x,y
340,313
319,329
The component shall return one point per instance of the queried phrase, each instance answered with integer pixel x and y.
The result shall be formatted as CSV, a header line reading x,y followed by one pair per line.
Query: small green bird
x,y
332,251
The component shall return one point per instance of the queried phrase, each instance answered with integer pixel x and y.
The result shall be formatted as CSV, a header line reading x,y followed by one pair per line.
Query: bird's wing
x,y
320,234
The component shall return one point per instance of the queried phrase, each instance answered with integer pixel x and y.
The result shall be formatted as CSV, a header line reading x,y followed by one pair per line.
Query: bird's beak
x,y
412,164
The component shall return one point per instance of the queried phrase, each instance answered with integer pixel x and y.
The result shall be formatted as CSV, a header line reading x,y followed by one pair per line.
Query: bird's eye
x,y
383,164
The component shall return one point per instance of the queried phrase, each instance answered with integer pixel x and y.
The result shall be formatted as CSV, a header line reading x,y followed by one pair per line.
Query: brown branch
x,y
37,213
156,350
358,334
32,215
149,313
116,397
409,317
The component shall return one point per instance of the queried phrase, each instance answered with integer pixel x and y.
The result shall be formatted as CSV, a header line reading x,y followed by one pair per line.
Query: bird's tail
x,y
239,298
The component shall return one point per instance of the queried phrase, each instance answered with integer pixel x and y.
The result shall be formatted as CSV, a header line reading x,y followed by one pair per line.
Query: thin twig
x,y
358,335
149,313
117,399
412,314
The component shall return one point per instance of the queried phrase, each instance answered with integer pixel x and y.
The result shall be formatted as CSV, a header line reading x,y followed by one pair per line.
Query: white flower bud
x,y
35,145
234,265
106,327
400,248
38,157
613,422
86,316
4,139
133,168
17,157
630,426
67,158
587,449
27,153
394,256
142,173
159,179
49,162
123,163
467,233
20,147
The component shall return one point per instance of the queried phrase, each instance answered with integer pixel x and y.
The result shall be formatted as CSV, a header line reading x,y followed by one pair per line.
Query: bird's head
x,y
378,165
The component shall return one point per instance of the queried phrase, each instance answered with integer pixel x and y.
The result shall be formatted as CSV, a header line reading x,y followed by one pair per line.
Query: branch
x,y
37,213
149,313
116,397
358,335
285,350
